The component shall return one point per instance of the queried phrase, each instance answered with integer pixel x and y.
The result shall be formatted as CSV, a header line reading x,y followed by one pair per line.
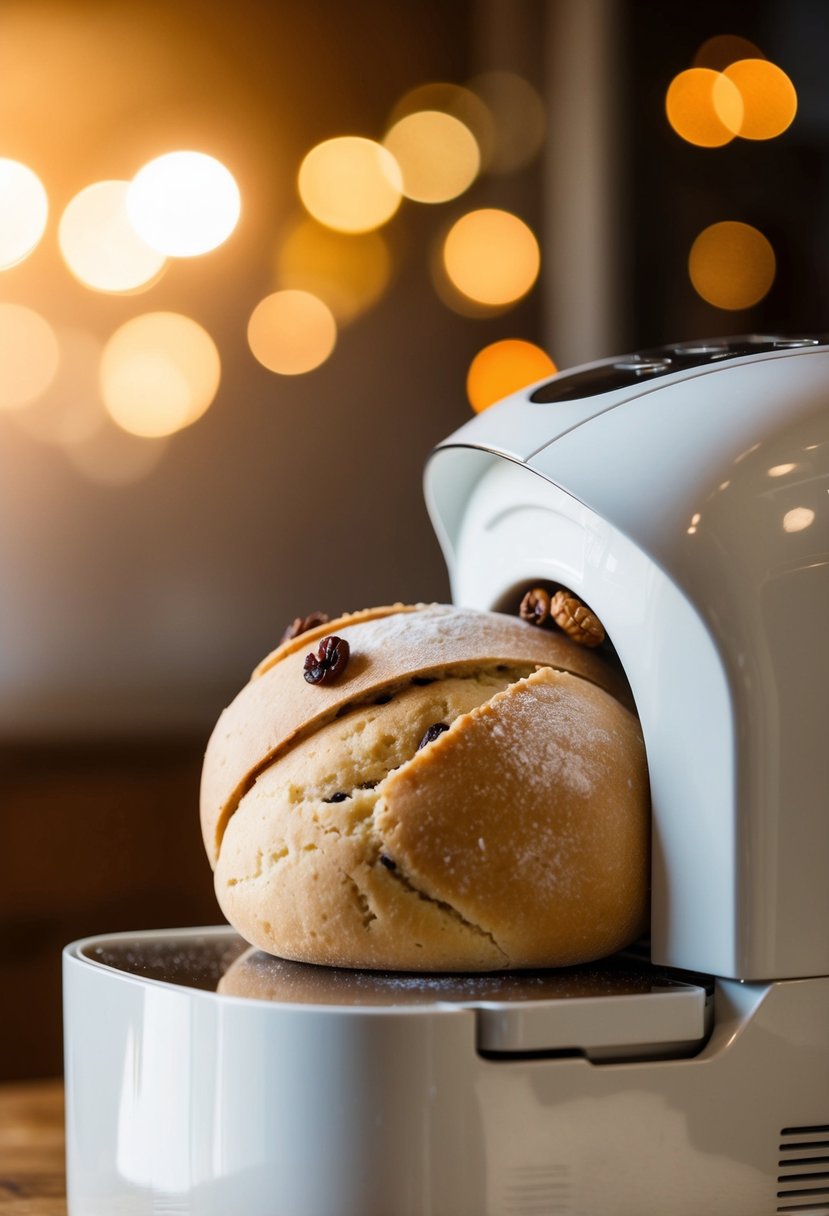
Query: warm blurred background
x,y
255,260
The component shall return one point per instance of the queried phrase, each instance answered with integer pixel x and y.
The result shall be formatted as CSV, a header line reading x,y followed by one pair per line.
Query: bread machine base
x,y
615,1089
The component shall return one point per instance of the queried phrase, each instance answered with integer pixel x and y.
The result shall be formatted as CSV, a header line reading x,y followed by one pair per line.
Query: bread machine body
x,y
685,499
683,496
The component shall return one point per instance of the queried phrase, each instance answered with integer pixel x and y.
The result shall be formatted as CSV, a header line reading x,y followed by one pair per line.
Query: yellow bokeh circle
x,y
29,355
491,256
100,245
438,155
348,271
724,49
159,373
350,183
462,103
24,209
704,107
518,119
769,97
184,203
731,265
114,457
505,367
291,332
70,410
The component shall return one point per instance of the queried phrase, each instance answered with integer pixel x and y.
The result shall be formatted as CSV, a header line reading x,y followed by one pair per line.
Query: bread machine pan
x,y
682,494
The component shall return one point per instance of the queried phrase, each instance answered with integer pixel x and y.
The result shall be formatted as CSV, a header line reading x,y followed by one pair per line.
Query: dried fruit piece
x,y
432,732
301,624
328,663
535,606
576,619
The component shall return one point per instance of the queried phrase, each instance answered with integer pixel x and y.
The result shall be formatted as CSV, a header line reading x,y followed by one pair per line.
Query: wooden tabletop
x,y
32,1176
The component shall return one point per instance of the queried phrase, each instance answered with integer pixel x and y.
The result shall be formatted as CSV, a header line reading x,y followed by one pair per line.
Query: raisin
x,y
432,732
301,624
328,663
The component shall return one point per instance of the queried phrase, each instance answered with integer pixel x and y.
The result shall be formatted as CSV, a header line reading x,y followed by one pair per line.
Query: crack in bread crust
x,y
285,815
315,803
388,647
364,907
448,909
379,695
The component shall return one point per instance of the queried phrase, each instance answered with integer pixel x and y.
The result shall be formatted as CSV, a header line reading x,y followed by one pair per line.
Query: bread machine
x,y
683,494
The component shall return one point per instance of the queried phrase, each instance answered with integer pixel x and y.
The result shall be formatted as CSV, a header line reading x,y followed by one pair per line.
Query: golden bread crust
x,y
389,647
530,817
301,875
518,837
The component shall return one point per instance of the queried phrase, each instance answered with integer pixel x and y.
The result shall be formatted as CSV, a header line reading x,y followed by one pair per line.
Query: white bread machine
x,y
683,494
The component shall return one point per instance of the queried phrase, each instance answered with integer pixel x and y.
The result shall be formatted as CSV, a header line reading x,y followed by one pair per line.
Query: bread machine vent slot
x,y
538,1190
803,1178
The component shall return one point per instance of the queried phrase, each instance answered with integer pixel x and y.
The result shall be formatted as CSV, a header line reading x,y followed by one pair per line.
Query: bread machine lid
x,y
616,1008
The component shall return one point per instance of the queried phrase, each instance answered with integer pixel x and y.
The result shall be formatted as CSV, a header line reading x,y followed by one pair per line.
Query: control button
x,y
642,366
713,349
786,343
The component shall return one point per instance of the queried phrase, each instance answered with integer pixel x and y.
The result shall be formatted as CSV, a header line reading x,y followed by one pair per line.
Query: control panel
x,y
661,361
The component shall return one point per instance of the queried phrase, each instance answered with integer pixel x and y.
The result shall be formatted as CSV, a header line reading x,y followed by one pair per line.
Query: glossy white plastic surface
x,y
607,1027
677,680
192,1102
693,516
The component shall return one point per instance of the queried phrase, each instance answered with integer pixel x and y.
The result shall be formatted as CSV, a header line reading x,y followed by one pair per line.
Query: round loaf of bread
x,y
469,794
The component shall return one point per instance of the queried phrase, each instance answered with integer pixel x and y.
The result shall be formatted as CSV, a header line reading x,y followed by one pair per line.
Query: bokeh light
x,y
100,245
291,332
24,209
159,373
184,203
349,272
723,49
350,183
505,367
71,415
112,457
449,294
454,99
704,107
732,265
437,154
769,98
491,256
71,410
29,355
518,119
